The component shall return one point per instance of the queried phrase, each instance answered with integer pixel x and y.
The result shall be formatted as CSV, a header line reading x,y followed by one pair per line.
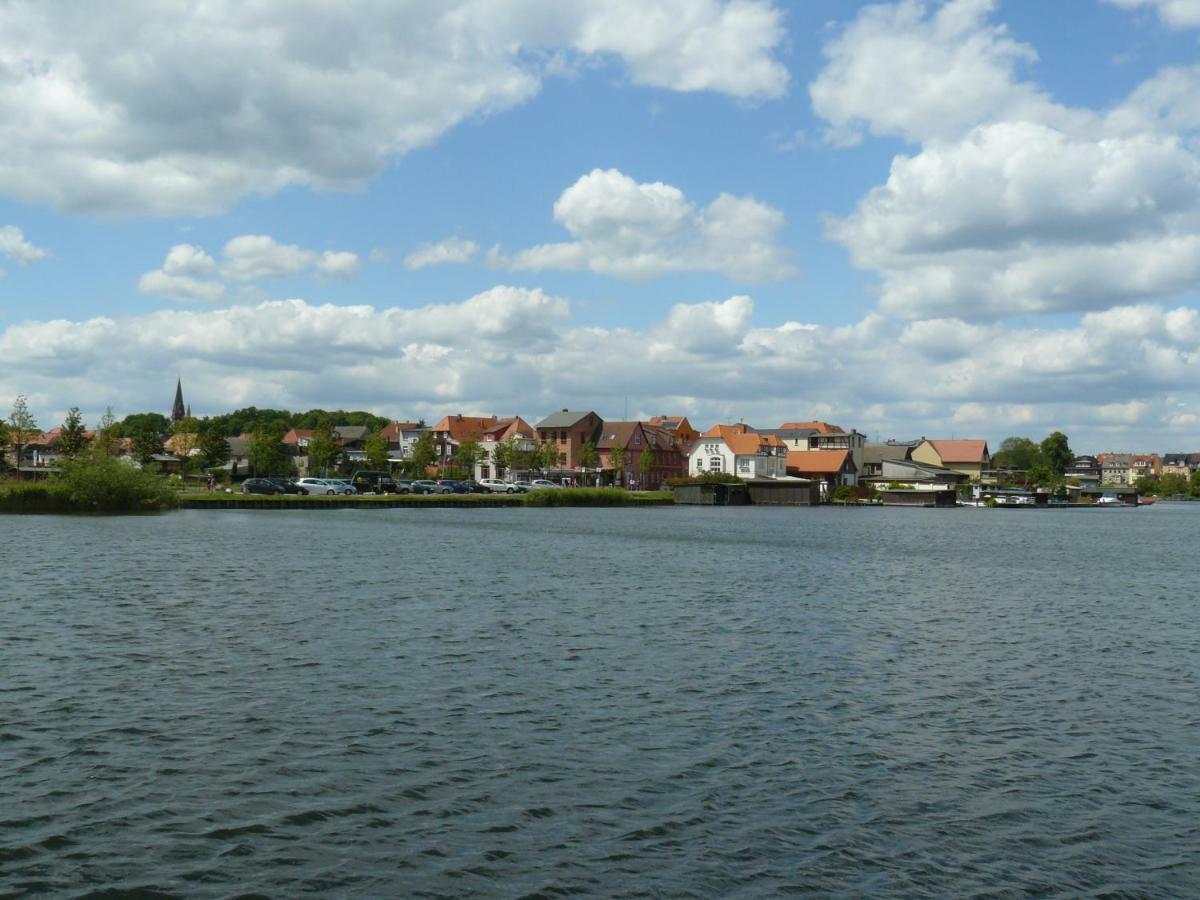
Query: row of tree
x,y
1035,464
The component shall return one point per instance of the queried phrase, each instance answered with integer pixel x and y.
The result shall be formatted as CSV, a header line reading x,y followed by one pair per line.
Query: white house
x,y
739,450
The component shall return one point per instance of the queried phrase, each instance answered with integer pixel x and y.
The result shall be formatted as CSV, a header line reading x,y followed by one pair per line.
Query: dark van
x,y
366,481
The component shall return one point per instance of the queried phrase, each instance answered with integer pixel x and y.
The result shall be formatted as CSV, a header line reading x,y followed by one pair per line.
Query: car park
x,y
427,486
367,481
496,486
325,486
286,485
260,486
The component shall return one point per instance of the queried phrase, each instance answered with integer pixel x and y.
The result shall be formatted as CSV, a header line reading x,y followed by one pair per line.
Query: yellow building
x,y
966,457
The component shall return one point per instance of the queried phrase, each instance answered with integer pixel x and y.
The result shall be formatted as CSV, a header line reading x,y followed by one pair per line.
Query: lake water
x,y
656,702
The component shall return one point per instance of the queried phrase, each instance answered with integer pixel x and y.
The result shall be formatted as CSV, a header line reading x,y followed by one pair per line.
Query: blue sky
x,y
917,218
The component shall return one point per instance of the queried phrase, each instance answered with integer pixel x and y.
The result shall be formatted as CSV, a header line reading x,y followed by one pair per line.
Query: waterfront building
x,y
569,430
666,456
740,450
968,457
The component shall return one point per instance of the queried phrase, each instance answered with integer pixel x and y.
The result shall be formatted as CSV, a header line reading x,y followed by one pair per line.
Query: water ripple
x,y
546,703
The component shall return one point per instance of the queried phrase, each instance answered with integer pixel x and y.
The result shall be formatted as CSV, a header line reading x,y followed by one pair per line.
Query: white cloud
x,y
188,272
192,112
182,288
631,230
517,350
188,259
919,73
452,251
1175,13
338,263
15,246
1012,204
252,256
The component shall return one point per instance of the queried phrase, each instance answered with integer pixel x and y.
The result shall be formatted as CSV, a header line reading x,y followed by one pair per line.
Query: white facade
x,y
712,454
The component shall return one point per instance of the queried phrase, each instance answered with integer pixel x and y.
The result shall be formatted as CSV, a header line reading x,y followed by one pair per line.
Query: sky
x,y
970,218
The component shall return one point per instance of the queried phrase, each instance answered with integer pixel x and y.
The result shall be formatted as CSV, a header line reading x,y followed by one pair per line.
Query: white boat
x,y
1108,500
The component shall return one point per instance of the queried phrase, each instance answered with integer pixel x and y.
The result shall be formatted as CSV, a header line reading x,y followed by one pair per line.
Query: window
x,y
699,464
715,464
744,464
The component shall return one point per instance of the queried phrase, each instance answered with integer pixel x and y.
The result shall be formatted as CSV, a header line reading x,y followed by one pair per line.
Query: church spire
x,y
177,411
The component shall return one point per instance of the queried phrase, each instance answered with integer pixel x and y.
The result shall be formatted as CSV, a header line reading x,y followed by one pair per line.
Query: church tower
x,y
177,411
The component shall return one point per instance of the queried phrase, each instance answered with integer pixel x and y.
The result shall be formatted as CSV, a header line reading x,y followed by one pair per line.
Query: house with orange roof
x,y
513,430
829,467
452,431
683,430
966,457
818,435
740,450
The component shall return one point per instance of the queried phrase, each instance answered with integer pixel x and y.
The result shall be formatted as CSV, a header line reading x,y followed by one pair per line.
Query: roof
x,y
813,462
509,427
616,434
874,454
565,419
392,430
462,428
817,426
352,432
742,439
295,435
964,451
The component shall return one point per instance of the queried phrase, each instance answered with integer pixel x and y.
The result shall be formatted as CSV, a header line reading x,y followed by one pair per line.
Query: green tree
x,y
105,442
138,422
1056,452
645,464
1040,475
424,455
214,446
266,453
467,454
589,457
146,443
616,457
185,437
22,427
323,447
71,435
3,443
504,455
1017,453
376,448
547,456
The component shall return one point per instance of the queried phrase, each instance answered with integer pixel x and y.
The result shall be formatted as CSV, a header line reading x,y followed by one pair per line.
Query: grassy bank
x,y
90,485
595,497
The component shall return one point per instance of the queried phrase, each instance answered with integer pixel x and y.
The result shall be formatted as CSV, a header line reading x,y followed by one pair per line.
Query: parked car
x,y
523,487
471,485
404,485
343,486
456,486
427,486
260,486
538,483
496,486
366,481
286,485
323,486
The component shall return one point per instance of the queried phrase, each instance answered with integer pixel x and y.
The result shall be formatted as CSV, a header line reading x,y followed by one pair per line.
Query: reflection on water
x,y
670,701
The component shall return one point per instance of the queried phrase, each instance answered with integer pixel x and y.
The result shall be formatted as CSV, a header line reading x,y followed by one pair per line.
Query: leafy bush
x,y
104,484
578,497
92,483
